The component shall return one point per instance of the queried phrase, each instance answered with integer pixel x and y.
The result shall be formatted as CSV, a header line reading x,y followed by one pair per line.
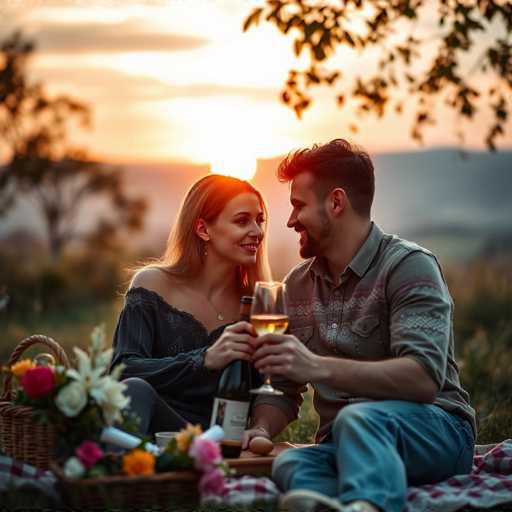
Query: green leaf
x,y
253,18
350,40
298,44
319,53
311,28
98,471
312,77
501,114
467,109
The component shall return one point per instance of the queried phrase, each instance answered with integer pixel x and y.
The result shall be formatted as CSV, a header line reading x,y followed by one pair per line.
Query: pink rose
x,y
89,453
38,381
206,454
212,482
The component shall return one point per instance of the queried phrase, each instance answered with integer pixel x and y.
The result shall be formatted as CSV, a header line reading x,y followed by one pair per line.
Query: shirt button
x,y
334,325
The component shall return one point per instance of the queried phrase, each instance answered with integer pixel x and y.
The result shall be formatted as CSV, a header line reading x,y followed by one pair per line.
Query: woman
x,y
179,328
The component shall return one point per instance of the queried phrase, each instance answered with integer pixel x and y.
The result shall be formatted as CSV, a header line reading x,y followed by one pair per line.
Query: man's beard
x,y
311,246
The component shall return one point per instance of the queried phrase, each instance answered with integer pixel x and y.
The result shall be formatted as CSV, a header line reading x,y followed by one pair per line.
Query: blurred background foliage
x,y
67,300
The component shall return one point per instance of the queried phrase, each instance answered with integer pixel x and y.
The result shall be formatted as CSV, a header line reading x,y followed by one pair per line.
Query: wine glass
x,y
268,315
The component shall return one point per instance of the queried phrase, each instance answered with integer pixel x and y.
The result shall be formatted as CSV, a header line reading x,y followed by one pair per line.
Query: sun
x,y
230,164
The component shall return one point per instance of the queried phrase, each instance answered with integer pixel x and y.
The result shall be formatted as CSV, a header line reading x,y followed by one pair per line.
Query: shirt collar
x,y
360,262
364,256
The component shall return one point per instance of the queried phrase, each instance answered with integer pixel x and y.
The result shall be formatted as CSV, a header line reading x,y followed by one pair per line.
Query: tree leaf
x,y
252,19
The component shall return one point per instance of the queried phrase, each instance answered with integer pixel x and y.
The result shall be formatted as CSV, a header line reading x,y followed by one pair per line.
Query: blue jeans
x,y
377,449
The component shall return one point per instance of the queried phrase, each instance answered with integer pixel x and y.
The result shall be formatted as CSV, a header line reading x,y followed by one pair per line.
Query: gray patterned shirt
x,y
392,301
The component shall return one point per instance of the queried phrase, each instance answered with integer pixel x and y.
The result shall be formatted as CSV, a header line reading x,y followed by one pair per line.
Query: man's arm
x,y
394,379
402,378
267,421
399,379
420,326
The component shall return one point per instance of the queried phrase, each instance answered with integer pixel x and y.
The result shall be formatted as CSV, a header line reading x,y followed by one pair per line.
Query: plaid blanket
x,y
489,484
15,476
245,491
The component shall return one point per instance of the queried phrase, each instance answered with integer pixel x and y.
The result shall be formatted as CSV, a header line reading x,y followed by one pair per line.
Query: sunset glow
x,y
236,165
176,80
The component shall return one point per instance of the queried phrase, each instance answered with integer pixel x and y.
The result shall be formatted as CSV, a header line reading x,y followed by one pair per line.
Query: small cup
x,y
163,438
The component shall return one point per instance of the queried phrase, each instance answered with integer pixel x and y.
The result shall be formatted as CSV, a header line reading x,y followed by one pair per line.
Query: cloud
x,y
100,84
93,37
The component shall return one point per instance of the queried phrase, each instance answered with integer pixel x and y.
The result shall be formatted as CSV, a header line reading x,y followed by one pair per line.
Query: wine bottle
x,y
233,398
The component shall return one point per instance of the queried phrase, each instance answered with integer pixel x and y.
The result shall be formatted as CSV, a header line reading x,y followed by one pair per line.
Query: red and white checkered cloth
x,y
245,490
489,484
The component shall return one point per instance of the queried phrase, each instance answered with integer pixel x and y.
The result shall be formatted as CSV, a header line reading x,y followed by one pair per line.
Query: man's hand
x,y
285,355
254,432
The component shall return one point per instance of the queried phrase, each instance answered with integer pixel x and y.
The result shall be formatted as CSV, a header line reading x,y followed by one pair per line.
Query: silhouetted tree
x,y
41,162
390,26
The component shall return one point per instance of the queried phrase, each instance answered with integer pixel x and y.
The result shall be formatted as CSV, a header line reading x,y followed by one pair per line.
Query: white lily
x,y
109,394
85,373
117,371
98,337
103,359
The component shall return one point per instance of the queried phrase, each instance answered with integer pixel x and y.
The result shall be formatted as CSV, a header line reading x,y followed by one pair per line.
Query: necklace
x,y
219,314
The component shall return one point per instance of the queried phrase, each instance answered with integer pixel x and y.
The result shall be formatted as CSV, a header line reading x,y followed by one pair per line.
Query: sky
x,y
179,80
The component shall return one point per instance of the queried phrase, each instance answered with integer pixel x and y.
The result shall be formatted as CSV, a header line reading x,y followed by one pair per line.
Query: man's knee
x,y
356,415
283,467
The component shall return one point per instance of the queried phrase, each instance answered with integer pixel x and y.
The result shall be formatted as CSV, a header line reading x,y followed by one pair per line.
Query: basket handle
x,y
25,344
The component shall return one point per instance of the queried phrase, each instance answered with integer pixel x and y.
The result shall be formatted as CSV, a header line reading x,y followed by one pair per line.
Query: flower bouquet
x,y
144,476
77,402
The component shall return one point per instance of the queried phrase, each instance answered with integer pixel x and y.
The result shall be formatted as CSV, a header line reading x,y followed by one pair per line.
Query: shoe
x,y
360,506
303,500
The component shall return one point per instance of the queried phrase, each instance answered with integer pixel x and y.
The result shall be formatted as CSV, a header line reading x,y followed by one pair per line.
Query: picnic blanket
x,y
489,484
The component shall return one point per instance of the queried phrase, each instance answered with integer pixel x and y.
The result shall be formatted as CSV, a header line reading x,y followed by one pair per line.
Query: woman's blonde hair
x,y
184,253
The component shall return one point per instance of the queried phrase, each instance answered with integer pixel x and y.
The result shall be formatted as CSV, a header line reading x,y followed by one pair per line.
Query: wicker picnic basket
x,y
21,437
165,490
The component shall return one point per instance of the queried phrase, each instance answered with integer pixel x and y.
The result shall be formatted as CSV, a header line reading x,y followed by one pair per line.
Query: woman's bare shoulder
x,y
152,278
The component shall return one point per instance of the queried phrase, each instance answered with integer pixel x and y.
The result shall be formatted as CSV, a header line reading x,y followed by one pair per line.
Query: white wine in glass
x,y
268,315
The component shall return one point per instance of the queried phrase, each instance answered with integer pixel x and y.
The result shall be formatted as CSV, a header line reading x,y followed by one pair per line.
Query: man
x,y
371,329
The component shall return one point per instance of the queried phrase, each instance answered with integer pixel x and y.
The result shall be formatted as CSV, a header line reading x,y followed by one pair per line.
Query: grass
x,y
486,368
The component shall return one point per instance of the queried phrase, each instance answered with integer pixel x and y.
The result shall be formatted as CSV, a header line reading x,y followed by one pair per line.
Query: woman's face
x,y
237,232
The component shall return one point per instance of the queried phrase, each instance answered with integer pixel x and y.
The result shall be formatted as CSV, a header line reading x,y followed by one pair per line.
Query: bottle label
x,y
231,415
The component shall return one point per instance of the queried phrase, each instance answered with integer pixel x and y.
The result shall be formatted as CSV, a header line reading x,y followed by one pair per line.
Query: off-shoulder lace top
x,y
166,346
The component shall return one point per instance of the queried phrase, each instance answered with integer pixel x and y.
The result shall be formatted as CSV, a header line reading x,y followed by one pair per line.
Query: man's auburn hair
x,y
335,164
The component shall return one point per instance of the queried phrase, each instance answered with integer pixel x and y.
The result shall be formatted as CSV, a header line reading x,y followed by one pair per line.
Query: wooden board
x,y
259,465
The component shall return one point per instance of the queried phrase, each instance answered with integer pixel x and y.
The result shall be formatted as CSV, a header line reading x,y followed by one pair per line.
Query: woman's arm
x,y
133,347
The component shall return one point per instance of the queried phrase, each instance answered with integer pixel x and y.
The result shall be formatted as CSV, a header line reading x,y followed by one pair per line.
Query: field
x,y
483,298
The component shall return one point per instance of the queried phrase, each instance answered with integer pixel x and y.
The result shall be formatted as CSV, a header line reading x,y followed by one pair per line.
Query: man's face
x,y
308,216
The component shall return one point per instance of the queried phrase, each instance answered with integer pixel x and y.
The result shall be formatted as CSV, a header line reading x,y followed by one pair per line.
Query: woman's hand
x,y
234,343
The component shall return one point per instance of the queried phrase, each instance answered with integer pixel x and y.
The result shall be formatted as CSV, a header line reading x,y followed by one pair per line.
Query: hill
x,y
458,206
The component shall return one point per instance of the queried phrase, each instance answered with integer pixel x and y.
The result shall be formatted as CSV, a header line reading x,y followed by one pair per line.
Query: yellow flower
x,y
138,462
21,367
185,437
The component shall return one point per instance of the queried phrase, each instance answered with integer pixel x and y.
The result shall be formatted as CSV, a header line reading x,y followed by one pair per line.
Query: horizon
x,y
463,151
